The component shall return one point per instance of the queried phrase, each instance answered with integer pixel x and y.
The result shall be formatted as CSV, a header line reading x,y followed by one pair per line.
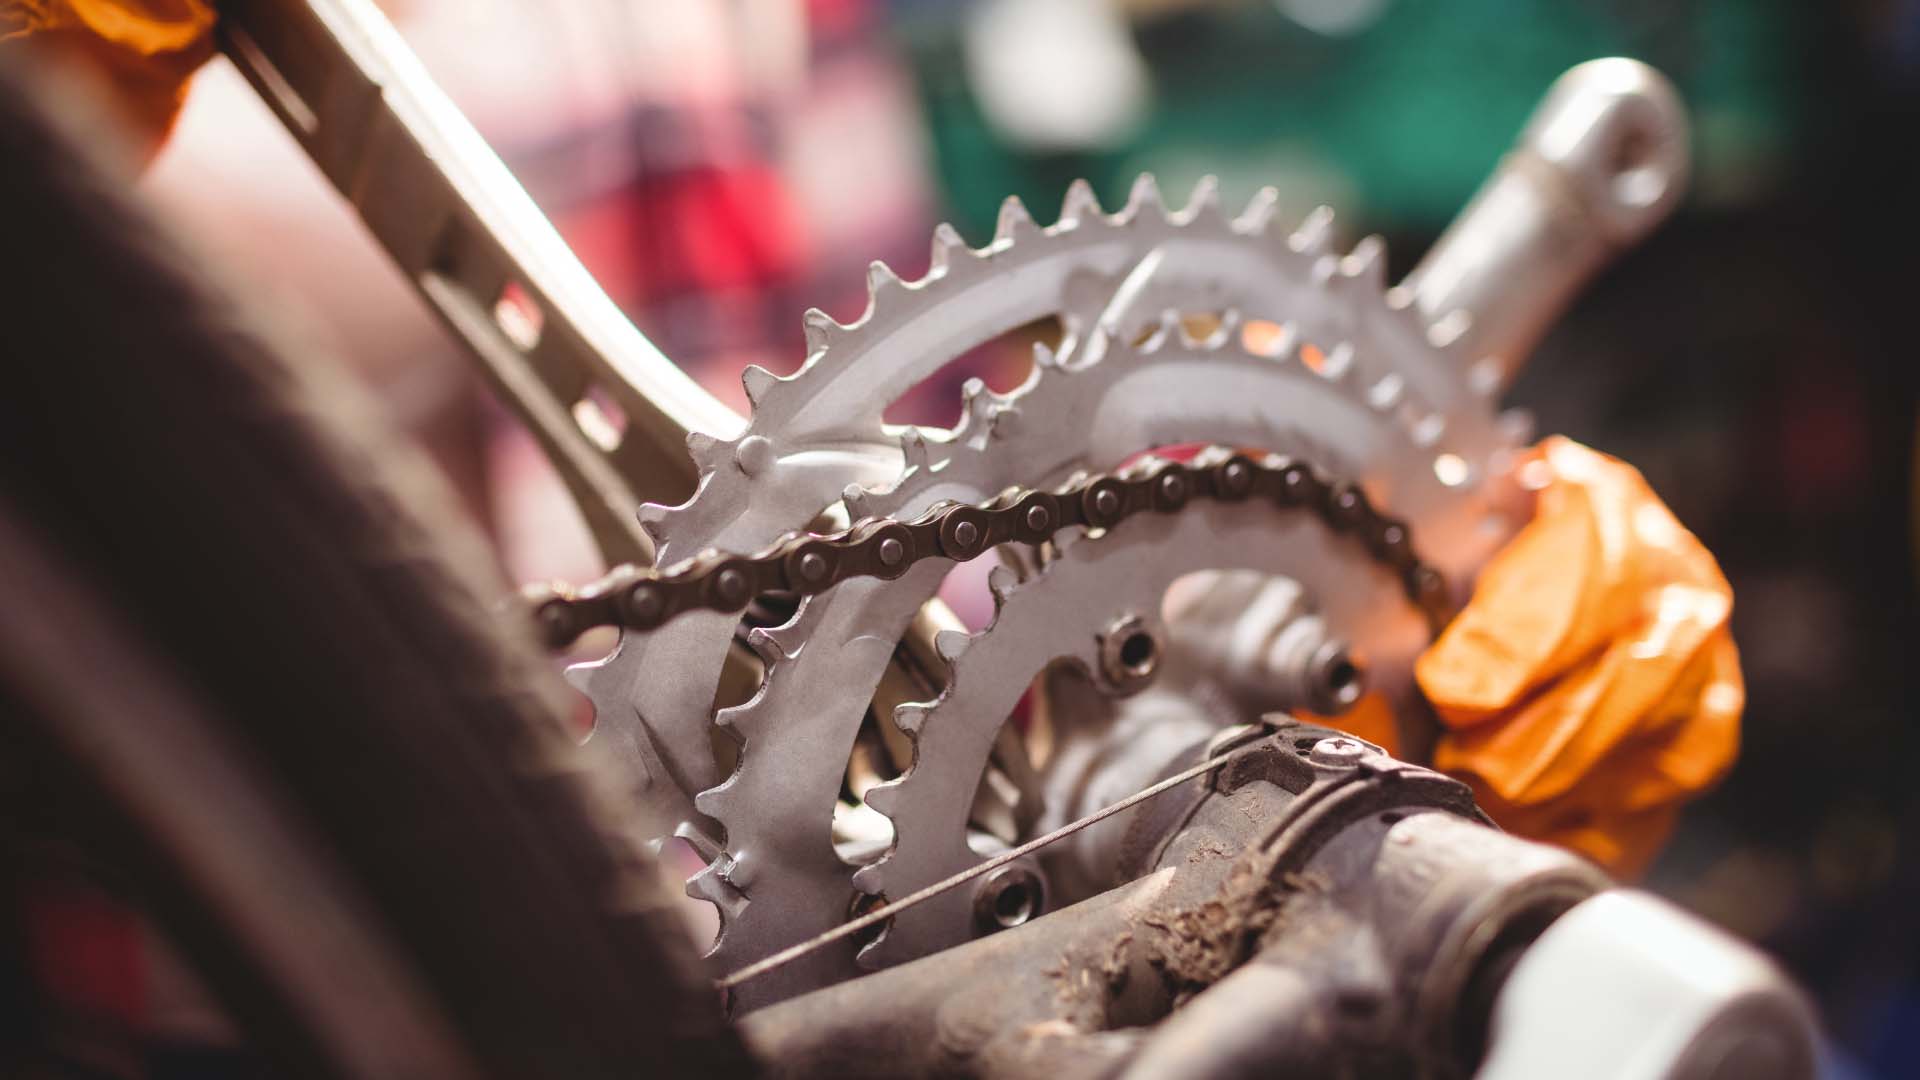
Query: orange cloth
x,y
145,49
1591,685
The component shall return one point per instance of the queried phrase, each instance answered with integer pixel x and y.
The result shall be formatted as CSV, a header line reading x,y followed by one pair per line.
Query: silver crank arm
x,y
1603,160
612,412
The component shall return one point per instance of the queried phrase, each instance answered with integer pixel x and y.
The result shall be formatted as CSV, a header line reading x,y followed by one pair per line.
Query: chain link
x,y
802,564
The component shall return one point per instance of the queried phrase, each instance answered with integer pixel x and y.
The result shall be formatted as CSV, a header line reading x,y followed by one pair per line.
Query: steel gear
x,y
1401,397
1106,277
779,878
1059,615
1109,502
1597,166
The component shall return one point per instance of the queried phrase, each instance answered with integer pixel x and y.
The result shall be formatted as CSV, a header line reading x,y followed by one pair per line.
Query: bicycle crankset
x,y
1247,478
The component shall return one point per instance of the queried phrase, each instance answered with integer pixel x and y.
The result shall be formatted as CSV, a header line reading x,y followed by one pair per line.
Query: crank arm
x,y
1602,161
432,192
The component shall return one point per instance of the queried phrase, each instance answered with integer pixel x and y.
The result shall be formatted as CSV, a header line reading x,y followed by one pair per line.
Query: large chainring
x,y
1341,373
1389,391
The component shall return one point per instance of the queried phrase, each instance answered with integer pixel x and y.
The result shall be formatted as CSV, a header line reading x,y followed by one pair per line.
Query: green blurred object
x,y
1395,124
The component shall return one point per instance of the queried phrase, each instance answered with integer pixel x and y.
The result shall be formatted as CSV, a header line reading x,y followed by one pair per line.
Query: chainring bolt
x,y
1129,654
1335,681
1008,897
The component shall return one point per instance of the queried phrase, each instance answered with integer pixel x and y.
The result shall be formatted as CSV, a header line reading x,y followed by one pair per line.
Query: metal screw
x,y
966,534
1336,751
1129,653
891,552
1038,518
1007,897
1336,681
813,566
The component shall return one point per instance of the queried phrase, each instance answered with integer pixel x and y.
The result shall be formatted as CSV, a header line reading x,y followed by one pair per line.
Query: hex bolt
x,y
1129,653
1335,681
1038,518
1008,897
891,552
1337,751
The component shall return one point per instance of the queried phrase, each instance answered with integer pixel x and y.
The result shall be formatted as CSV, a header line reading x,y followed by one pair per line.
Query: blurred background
x,y
721,165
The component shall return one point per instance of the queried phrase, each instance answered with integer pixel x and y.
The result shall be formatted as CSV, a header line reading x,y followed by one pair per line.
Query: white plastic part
x,y
1626,986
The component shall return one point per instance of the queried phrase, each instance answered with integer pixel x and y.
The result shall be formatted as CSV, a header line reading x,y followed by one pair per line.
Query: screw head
x,y
1336,680
1008,897
1129,653
891,552
1336,751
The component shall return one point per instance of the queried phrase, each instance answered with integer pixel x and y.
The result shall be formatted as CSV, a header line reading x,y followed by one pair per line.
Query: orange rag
x,y
1591,685
145,49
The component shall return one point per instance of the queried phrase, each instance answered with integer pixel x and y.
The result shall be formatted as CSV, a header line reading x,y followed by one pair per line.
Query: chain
x,y
802,564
